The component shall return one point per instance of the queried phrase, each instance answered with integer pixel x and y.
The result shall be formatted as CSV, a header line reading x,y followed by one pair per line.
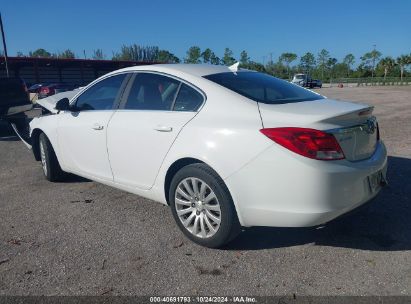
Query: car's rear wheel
x,y
51,167
202,206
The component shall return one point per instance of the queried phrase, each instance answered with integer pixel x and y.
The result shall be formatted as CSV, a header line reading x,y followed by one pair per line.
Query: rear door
x,y
82,132
155,108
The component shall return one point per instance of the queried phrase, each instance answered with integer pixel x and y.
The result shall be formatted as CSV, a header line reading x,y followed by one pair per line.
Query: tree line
x,y
322,65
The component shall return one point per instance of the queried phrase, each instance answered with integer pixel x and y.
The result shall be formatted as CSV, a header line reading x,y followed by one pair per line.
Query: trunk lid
x,y
352,124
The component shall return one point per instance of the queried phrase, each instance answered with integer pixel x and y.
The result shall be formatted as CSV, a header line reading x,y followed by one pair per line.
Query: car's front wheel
x,y
51,167
202,206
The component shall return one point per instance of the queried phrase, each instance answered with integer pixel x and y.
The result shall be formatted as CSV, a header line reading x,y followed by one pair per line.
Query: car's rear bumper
x,y
283,189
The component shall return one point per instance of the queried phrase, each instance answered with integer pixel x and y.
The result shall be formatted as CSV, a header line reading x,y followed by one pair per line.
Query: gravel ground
x,y
83,238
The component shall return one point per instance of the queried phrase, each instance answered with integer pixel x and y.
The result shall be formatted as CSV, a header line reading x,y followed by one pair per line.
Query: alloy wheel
x,y
197,207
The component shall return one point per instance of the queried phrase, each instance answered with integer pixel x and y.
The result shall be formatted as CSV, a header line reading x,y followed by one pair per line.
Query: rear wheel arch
x,y
179,164
174,168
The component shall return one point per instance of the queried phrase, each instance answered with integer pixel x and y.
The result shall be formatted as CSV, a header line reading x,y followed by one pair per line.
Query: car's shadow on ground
x,y
71,178
9,138
383,225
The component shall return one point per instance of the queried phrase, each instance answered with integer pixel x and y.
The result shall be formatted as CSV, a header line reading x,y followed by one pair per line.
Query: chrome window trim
x,y
131,81
118,98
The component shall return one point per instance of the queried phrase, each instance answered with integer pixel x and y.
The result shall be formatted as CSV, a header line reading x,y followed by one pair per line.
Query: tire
x,y
51,167
202,210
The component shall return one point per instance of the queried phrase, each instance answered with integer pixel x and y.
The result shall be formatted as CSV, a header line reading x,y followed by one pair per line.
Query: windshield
x,y
263,88
299,76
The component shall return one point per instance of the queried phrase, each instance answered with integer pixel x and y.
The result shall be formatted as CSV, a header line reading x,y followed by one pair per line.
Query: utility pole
x,y
373,61
4,46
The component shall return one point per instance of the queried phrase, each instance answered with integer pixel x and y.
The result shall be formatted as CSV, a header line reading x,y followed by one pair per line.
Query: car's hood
x,y
49,103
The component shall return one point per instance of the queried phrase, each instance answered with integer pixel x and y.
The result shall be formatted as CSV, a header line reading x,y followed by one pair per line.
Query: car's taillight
x,y
306,142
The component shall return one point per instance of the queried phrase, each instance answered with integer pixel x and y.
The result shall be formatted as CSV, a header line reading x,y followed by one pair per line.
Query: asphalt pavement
x,y
83,238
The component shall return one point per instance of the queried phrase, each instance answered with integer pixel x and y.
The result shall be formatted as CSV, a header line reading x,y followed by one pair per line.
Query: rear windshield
x,y
263,88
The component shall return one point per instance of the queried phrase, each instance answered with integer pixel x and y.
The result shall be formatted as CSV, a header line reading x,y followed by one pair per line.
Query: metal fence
x,y
71,71
371,81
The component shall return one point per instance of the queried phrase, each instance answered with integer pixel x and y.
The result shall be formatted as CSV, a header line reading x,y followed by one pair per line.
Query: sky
x,y
262,28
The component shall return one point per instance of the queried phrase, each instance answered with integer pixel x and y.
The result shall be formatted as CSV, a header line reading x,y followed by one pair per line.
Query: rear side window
x,y
188,99
263,88
102,95
152,92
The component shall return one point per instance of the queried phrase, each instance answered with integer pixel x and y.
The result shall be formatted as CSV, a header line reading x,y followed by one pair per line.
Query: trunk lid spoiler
x,y
319,114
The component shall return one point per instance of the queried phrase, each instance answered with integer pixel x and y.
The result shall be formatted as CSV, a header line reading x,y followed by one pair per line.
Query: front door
x,y
82,132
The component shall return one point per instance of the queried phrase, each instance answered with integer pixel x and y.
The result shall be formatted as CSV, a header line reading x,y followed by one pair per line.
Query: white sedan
x,y
225,148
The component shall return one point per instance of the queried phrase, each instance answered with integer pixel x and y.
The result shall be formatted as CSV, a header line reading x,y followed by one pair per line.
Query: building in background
x,y
71,71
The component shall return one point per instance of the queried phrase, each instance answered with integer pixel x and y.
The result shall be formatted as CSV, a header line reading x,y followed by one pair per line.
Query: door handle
x,y
97,126
163,129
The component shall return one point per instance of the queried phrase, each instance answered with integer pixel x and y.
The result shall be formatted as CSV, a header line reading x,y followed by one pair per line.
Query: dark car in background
x,y
316,83
54,88
306,81
14,102
13,95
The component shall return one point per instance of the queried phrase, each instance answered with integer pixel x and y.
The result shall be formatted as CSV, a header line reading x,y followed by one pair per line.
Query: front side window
x,y
102,95
152,92
262,87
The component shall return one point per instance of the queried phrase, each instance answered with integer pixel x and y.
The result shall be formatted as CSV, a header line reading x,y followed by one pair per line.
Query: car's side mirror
x,y
63,105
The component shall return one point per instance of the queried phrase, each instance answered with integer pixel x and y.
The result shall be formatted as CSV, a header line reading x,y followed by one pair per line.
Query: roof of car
x,y
192,69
